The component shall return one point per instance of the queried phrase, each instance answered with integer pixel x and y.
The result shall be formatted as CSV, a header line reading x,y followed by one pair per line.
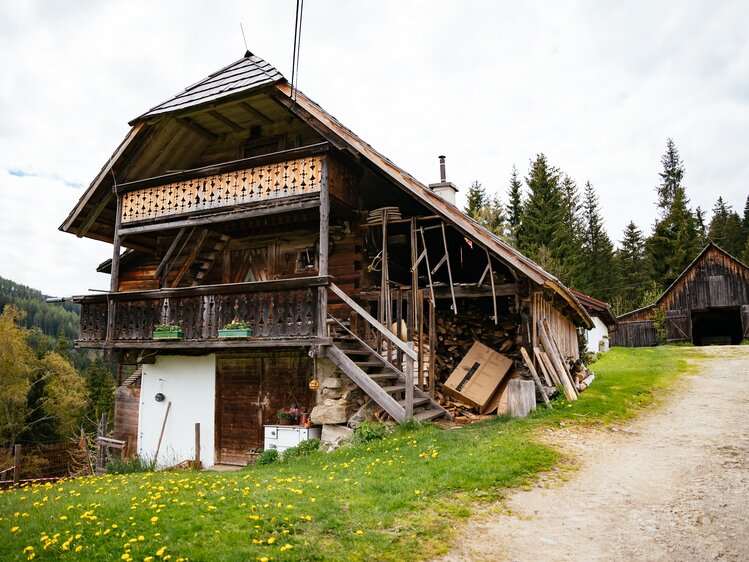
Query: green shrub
x,y
304,449
128,465
267,457
368,431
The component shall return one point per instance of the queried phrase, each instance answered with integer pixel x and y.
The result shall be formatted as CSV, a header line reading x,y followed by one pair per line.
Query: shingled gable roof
x,y
252,73
248,73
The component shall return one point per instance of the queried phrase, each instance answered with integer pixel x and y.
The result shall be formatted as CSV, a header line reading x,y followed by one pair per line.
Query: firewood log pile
x,y
457,333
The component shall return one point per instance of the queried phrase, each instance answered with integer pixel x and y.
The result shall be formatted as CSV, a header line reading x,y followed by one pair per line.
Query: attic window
x,y
306,259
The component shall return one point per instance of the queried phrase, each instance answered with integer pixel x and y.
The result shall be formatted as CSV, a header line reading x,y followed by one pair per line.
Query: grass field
x,y
390,499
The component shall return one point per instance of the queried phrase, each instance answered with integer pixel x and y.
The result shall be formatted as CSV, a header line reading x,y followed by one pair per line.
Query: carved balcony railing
x,y
284,309
232,188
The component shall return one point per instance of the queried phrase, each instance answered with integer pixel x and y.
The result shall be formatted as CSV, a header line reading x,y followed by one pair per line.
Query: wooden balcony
x,y
284,312
178,196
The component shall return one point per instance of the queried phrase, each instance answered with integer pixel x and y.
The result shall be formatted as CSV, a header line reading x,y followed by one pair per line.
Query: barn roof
x,y
597,308
251,74
695,262
248,73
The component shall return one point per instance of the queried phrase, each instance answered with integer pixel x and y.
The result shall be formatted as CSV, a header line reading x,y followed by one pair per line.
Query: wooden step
x,y
383,376
351,352
417,401
428,414
365,364
394,388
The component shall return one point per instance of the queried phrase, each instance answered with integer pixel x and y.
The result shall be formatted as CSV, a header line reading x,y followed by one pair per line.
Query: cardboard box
x,y
476,379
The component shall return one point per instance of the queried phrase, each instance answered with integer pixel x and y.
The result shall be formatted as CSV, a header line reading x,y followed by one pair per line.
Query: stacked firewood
x,y
457,333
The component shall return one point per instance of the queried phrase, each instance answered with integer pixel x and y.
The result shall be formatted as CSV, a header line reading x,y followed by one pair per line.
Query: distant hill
x,y
51,319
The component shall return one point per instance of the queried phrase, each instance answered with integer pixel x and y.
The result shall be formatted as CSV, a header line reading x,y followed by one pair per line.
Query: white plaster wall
x,y
190,384
596,334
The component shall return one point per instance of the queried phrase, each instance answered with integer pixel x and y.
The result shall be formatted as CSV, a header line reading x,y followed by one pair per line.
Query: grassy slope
x,y
391,499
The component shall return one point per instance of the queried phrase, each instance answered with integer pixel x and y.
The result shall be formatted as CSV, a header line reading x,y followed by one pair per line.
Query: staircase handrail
x,y
395,340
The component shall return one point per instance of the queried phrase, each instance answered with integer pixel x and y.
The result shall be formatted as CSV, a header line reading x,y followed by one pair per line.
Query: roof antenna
x,y
246,48
297,45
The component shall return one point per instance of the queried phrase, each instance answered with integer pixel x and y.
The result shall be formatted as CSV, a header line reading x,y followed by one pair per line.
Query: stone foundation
x,y
338,397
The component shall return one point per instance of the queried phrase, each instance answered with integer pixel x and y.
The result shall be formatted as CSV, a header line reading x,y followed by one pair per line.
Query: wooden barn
x,y
240,200
597,339
708,304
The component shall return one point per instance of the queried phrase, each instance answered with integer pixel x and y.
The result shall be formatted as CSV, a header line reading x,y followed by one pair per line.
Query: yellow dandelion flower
x,y
15,529
154,519
359,532
271,540
78,548
28,549
148,559
161,551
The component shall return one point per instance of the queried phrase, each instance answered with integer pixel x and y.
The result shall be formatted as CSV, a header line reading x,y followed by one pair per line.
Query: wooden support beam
x,y
169,265
96,211
197,129
225,120
168,253
255,113
542,366
197,245
323,251
557,361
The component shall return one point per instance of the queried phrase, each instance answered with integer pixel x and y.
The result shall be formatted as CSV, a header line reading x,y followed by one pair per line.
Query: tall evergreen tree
x,y
726,228
476,200
546,232
631,269
745,228
514,204
671,176
675,241
598,257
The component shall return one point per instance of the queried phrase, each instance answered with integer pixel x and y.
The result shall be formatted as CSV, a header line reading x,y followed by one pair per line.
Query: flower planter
x,y
176,334
235,333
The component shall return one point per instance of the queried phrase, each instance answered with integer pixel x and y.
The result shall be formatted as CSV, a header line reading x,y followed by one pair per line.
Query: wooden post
x,y
569,390
409,384
432,346
197,446
322,265
161,435
16,463
534,374
421,339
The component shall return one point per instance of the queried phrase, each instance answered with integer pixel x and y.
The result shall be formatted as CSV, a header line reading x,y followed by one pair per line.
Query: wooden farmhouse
x,y
242,199
604,323
708,304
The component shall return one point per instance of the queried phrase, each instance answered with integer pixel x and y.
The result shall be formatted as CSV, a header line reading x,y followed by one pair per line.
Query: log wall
x,y
126,408
562,329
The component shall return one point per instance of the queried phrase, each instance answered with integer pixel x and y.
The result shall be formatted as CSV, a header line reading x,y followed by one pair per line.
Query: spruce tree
x,y
542,210
598,251
726,228
675,240
476,200
514,205
671,176
630,268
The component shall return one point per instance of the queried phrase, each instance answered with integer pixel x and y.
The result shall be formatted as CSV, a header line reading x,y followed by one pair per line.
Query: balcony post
x,y
114,278
322,259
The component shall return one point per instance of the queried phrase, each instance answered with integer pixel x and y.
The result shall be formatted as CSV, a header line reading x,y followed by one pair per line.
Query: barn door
x,y
745,320
239,423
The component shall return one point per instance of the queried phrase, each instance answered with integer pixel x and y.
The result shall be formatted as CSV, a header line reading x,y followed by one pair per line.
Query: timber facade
x,y
338,261
707,304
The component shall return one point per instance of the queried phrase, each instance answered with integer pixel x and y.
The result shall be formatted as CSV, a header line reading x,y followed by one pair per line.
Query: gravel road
x,y
672,485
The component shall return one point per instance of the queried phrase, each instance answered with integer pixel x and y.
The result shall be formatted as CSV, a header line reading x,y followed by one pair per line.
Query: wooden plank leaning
x,y
550,367
561,357
569,390
543,368
541,388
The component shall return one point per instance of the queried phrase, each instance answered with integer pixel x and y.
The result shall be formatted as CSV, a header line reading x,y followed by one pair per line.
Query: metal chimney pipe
x,y
443,175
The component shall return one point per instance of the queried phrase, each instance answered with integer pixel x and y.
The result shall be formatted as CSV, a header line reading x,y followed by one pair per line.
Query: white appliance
x,y
282,437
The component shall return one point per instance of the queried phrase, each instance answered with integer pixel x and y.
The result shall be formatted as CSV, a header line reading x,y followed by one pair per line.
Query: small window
x,y
306,259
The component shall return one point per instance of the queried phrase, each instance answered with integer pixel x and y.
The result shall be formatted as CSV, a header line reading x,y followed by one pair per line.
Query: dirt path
x,y
673,485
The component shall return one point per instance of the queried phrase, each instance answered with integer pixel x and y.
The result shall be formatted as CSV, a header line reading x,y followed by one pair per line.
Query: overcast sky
x,y
597,86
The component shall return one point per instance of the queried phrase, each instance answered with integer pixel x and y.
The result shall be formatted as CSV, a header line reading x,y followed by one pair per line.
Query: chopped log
x,y
534,374
587,381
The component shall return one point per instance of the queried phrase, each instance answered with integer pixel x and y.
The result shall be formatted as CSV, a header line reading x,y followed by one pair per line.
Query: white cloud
x,y
596,86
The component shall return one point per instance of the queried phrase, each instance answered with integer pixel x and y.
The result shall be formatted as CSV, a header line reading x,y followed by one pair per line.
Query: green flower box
x,y
175,334
235,333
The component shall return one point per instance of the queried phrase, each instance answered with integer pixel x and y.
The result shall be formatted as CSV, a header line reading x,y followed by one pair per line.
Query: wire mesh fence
x,y
46,461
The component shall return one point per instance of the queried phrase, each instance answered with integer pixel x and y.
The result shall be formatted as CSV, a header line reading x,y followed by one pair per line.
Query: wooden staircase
x,y
382,381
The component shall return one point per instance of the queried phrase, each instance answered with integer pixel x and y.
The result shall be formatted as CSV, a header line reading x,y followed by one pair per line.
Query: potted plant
x,y
167,332
236,329
288,416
